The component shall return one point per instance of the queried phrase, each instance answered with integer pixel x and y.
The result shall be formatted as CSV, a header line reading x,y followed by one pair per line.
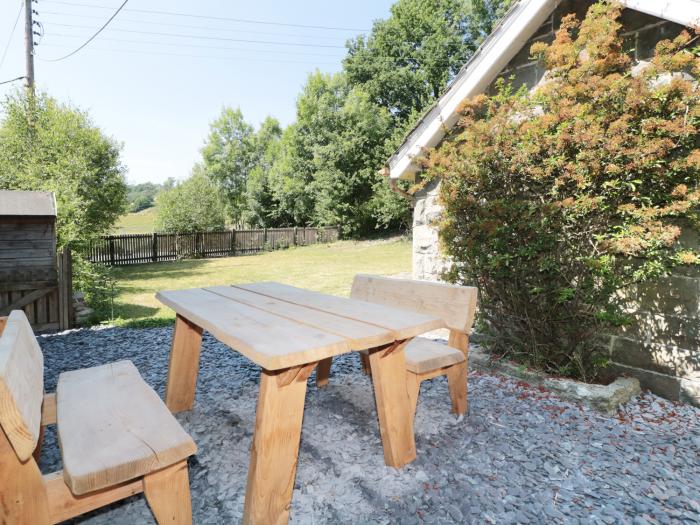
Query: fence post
x,y
65,289
295,236
233,242
111,251
154,247
264,238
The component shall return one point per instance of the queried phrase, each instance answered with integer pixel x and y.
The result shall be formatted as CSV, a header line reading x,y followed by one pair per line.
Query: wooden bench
x,y
425,359
117,438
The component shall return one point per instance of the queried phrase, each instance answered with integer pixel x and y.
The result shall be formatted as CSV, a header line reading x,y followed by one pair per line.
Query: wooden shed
x,y
32,277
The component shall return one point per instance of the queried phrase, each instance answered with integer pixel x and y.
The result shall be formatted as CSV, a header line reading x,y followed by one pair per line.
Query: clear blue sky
x,y
157,93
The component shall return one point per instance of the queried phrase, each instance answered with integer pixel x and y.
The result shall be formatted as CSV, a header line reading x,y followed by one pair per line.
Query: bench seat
x,y
113,427
425,355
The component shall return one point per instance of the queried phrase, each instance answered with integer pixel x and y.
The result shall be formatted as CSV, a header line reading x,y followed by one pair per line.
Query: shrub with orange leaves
x,y
557,198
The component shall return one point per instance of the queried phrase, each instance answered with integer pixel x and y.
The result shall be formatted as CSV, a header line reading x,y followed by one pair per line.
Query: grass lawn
x,y
325,268
140,222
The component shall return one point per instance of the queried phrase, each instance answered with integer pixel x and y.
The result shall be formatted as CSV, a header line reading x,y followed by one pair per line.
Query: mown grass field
x,y
324,268
140,222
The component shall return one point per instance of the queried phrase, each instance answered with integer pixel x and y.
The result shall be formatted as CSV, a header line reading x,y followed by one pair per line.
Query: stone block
x,y
663,329
660,384
675,294
690,391
648,38
668,360
633,20
567,7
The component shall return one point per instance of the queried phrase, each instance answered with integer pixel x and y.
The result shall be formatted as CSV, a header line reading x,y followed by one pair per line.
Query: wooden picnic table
x,y
288,331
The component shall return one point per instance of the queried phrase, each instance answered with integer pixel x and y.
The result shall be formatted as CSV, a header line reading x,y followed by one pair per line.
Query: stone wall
x,y
662,347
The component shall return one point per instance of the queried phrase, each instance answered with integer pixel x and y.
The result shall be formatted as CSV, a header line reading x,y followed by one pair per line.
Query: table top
x,y
278,326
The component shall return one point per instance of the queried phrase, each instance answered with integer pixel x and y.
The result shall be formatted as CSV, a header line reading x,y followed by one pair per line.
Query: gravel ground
x,y
521,455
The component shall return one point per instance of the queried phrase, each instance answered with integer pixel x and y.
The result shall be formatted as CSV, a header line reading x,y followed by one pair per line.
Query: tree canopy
x,y
194,205
50,146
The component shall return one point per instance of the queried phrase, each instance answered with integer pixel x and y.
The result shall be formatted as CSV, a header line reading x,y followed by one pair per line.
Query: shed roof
x,y
27,203
506,40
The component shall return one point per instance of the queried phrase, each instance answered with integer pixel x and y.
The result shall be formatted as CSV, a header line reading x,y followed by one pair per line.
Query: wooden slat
x,y
113,428
403,324
21,384
359,335
63,504
455,304
268,340
424,355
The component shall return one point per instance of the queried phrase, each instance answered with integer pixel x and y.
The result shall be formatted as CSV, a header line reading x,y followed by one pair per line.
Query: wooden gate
x,y
32,277
48,304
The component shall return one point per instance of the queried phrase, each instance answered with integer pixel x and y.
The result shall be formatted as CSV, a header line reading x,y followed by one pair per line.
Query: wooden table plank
x,y
268,340
404,324
360,335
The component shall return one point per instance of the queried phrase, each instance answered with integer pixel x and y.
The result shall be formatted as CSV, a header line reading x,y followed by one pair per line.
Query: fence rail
x,y
118,250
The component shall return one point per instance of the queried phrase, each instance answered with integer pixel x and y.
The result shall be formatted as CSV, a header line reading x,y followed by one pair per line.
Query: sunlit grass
x,y
140,222
324,268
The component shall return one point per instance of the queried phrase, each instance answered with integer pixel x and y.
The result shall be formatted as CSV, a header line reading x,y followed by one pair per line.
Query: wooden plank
x,y
25,300
360,335
168,494
424,355
389,378
113,428
21,385
63,504
275,449
22,495
455,304
268,340
403,324
48,410
184,366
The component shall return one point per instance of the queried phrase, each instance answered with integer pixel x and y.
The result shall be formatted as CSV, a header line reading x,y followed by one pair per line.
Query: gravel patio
x,y
521,456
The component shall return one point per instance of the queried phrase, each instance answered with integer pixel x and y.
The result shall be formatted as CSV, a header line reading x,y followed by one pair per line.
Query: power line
x,y
9,40
12,80
189,26
235,59
219,48
93,36
191,15
199,37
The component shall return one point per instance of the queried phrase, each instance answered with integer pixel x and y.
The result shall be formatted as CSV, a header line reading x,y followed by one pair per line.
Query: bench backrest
x,y
455,304
21,384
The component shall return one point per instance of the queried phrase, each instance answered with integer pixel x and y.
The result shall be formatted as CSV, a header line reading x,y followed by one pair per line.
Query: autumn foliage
x,y
557,198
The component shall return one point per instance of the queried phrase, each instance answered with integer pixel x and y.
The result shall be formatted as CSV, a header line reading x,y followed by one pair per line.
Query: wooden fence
x,y
117,250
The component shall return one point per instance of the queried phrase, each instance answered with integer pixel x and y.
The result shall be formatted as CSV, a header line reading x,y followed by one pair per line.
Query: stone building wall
x,y
662,347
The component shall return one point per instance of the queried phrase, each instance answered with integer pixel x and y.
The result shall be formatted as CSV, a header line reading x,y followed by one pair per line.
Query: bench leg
x,y
323,372
22,493
364,359
388,365
275,449
184,366
168,494
457,383
413,382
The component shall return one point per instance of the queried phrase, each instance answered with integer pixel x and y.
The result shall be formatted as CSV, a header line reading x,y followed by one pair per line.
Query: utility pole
x,y
29,44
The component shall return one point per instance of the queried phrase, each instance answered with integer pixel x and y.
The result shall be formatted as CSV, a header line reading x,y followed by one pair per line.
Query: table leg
x,y
184,365
275,449
388,365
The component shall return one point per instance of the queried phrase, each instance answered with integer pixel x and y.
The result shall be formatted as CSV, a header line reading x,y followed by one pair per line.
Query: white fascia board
x,y
498,50
684,12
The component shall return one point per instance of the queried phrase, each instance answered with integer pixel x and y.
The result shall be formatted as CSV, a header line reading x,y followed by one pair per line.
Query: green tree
x,y
408,59
50,146
261,202
191,206
228,158
142,196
